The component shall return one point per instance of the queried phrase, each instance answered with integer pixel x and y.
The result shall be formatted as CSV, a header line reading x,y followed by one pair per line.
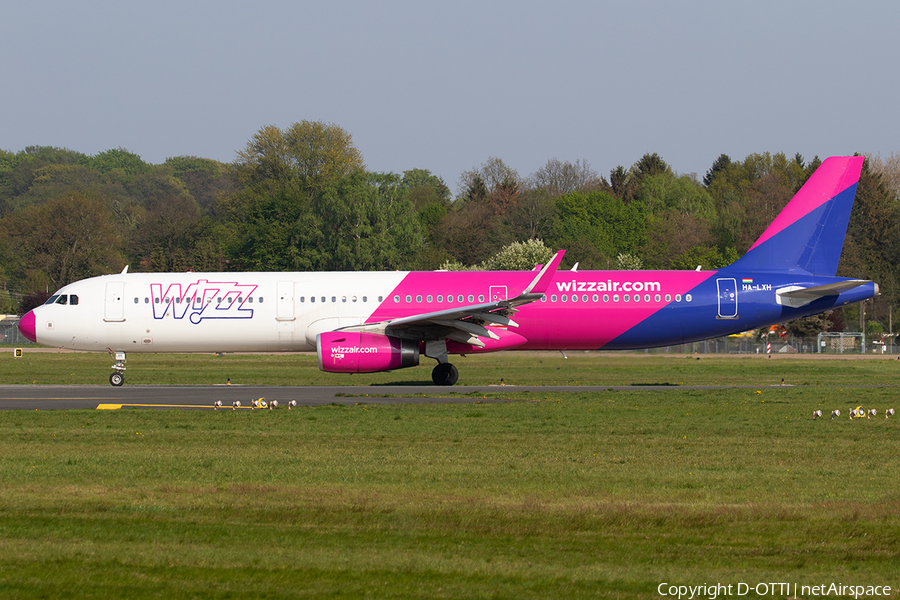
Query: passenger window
x,y
677,297
396,298
606,297
323,299
596,297
471,298
409,298
146,300
353,298
418,298
312,298
440,298
481,298
656,298
637,297
615,297
543,297
565,297
626,298
430,298
460,298
343,298
574,297
584,298
688,297
668,297
302,299
260,300
136,300
553,298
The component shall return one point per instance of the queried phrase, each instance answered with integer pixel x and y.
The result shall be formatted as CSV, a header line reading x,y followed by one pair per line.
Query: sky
x,y
444,86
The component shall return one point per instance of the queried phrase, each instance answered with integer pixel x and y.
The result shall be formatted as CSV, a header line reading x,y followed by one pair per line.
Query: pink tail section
x,y
834,176
807,236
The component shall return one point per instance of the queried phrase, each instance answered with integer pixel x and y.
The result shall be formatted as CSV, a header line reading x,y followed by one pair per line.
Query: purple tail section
x,y
808,234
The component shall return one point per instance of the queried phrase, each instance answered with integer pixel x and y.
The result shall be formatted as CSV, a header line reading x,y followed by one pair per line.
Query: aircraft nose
x,y
27,326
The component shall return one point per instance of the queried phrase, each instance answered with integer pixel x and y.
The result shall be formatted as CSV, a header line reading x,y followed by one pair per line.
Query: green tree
x,y
370,222
561,177
70,238
519,256
872,245
720,164
664,191
599,226
312,152
493,173
205,179
119,159
272,230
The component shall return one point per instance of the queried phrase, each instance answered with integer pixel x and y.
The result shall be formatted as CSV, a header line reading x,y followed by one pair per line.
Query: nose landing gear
x,y
118,378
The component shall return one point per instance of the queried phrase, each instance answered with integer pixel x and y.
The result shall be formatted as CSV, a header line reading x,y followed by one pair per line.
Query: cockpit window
x,y
62,299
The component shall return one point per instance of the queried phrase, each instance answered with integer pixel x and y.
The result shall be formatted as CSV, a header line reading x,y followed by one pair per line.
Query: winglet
x,y
540,283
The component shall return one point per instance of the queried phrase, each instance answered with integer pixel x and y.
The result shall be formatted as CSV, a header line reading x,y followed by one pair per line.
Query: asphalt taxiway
x,y
59,397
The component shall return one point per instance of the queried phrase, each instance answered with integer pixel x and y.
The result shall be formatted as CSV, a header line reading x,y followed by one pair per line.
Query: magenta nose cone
x,y
27,326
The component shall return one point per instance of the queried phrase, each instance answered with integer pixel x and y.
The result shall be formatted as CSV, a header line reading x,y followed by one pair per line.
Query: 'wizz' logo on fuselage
x,y
202,300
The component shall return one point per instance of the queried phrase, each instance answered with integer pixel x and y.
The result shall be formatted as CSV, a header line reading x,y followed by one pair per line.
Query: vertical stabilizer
x,y
808,234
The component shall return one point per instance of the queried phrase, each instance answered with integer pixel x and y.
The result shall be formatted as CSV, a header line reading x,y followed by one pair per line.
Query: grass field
x,y
522,368
546,495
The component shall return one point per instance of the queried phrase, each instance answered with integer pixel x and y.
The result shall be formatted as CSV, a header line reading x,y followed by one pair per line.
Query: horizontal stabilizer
x,y
796,296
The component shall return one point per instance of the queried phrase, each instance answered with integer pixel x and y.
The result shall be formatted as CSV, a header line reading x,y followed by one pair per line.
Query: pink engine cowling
x,y
354,352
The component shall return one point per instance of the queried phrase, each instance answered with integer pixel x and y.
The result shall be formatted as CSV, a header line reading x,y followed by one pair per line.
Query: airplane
x,y
365,322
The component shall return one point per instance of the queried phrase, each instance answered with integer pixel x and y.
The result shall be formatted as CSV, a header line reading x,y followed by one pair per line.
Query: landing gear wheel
x,y
116,379
444,374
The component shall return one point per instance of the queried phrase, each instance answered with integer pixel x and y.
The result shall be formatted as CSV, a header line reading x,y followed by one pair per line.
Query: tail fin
x,y
808,234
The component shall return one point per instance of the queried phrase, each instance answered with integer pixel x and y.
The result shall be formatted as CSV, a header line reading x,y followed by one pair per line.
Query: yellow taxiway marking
x,y
118,406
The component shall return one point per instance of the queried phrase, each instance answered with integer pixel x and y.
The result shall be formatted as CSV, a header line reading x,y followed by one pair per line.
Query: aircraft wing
x,y
465,324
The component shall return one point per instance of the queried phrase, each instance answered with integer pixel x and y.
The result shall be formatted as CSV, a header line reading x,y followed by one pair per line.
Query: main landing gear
x,y
118,378
444,373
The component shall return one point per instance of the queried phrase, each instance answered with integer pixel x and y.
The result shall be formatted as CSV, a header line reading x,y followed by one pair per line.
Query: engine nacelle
x,y
354,352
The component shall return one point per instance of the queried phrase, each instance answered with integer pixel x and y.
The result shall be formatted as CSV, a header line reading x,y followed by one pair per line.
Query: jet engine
x,y
355,352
